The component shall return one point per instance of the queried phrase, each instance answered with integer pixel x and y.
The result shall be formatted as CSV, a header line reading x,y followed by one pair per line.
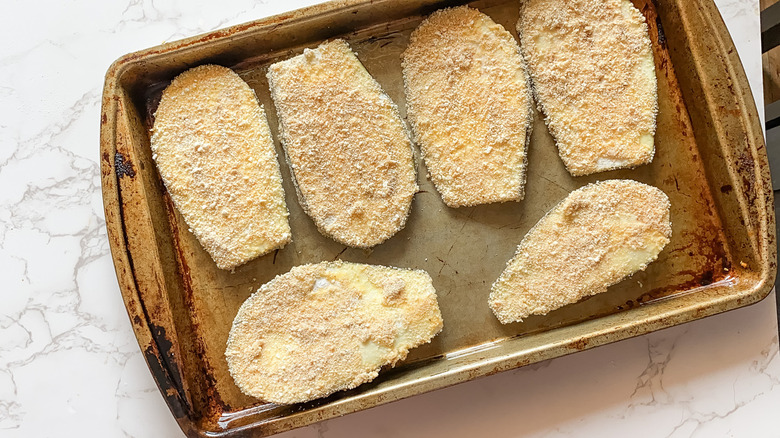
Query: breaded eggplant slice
x,y
469,103
596,237
327,327
214,151
347,147
591,64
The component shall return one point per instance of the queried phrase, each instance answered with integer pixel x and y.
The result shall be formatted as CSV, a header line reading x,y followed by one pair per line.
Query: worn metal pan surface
x,y
710,160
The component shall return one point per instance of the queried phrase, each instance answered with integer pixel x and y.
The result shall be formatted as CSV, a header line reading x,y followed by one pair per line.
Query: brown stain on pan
x,y
124,167
157,349
211,404
160,371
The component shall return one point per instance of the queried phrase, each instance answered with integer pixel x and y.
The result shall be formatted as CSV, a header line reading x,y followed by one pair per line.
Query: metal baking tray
x,y
710,161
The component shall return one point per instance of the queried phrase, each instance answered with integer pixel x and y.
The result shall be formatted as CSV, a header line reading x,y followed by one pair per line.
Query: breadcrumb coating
x,y
213,148
346,145
328,327
592,68
469,104
596,237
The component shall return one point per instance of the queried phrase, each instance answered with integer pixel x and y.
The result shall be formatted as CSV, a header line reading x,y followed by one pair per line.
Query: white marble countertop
x,y
70,364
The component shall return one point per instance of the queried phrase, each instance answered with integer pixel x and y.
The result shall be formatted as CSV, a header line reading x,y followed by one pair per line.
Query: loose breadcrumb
x,y
469,104
346,145
214,151
597,236
328,327
592,68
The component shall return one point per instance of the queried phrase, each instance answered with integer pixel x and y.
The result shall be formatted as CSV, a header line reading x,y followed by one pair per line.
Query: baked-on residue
x,y
214,151
346,145
327,327
597,236
592,68
469,104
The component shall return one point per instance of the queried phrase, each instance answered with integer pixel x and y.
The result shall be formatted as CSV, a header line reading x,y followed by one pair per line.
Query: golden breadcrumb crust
x,y
214,151
469,104
592,68
597,236
346,145
327,327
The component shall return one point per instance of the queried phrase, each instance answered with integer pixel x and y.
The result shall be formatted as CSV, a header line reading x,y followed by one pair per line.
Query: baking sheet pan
x,y
710,161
